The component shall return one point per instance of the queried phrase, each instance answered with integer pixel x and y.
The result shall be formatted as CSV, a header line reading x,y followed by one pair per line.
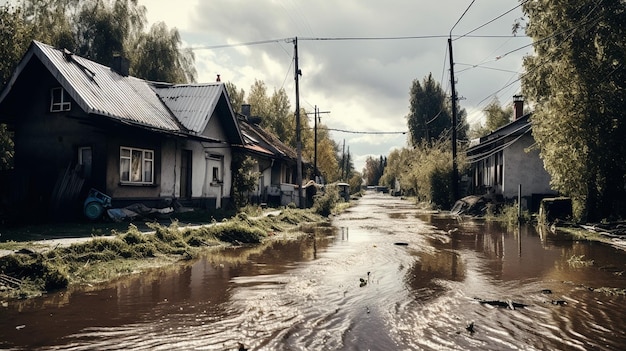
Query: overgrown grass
x,y
508,214
104,258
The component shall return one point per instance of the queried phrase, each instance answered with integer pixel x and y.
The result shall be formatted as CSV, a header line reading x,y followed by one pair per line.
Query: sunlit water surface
x,y
382,277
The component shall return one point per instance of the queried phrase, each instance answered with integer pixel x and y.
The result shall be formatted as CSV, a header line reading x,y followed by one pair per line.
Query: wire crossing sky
x,y
358,57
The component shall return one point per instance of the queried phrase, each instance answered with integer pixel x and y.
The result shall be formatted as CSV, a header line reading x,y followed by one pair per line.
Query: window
x,y
216,174
136,166
59,100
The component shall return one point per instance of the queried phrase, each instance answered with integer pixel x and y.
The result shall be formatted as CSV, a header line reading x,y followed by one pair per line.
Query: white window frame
x,y
59,100
136,166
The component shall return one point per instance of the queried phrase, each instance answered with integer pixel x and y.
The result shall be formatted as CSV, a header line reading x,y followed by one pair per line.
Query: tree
x,y
174,64
100,29
105,28
374,169
244,178
430,113
577,81
496,117
15,36
237,98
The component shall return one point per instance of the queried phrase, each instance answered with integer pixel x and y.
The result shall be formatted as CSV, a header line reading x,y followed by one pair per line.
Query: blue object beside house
x,y
79,125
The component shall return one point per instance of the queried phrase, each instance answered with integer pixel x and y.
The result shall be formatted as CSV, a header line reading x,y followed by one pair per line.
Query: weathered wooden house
x,y
506,159
79,125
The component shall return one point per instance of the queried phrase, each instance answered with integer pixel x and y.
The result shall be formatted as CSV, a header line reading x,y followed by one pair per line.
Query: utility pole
x,y
317,119
455,171
343,158
315,146
297,74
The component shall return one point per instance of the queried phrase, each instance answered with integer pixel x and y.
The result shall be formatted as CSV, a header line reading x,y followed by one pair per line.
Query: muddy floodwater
x,y
381,277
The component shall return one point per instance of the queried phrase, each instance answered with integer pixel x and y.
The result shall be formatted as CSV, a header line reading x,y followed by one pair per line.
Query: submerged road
x,y
382,277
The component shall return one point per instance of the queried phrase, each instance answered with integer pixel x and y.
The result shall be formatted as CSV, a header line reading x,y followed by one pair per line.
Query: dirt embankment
x,y
31,268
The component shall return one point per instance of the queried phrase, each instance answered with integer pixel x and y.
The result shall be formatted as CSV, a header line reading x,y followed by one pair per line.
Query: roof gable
x,y
195,104
516,128
255,135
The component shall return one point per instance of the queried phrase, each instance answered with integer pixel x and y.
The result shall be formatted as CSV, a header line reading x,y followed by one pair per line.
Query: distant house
x,y
79,125
505,159
276,162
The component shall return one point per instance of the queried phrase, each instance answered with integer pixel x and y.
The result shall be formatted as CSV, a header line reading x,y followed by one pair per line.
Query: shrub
x,y
323,204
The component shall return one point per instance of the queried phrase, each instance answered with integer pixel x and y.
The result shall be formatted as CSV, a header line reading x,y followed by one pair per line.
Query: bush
x,y
323,204
440,189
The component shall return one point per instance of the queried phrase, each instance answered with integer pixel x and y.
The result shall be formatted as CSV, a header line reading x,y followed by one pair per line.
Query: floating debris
x,y
504,304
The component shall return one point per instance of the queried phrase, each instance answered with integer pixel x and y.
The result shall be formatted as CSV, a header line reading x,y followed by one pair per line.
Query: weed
x,y
577,261
323,204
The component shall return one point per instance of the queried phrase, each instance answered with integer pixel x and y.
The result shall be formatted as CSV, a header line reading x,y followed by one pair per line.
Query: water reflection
x,y
309,293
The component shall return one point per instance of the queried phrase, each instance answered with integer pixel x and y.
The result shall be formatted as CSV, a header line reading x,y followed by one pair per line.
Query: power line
x,y
463,15
360,132
491,21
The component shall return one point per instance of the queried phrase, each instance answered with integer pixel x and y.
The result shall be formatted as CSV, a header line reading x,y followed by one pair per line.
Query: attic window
x,y
59,100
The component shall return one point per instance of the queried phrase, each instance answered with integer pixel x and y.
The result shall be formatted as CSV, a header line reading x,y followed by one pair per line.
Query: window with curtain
x,y
136,165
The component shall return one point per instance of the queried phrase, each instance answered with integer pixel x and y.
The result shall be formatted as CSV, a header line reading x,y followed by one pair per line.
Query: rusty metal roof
x,y
99,90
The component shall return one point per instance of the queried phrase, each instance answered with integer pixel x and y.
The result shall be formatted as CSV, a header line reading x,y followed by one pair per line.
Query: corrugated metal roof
x,y
100,90
255,135
192,104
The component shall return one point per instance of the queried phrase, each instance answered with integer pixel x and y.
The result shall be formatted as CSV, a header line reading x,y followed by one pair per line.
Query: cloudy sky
x,y
356,60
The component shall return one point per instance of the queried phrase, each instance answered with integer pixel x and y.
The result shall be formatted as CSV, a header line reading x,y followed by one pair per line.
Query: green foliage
x,y
374,169
356,183
324,203
237,232
441,187
577,82
245,178
175,65
15,36
424,171
430,115
496,117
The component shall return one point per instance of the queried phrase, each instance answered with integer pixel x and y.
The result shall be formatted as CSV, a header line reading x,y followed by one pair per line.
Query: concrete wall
x,y
525,168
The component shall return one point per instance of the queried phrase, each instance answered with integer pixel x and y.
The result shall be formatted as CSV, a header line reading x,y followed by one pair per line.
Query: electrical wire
x,y
361,132
491,21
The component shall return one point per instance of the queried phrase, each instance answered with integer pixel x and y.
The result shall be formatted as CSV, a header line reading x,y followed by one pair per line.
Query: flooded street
x,y
382,277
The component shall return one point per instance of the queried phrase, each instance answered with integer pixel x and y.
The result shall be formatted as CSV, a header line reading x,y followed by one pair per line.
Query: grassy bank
x,y
38,269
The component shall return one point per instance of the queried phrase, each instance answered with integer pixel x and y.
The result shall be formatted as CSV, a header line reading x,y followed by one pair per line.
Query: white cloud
x,y
364,83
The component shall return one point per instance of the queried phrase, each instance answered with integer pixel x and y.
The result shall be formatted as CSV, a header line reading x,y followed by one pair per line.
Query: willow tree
x,y
101,29
577,82
174,64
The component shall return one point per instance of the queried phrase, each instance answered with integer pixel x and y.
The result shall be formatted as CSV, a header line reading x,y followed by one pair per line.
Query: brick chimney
x,y
518,106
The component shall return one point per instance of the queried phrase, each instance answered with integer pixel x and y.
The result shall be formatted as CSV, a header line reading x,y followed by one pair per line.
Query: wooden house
x,y
79,125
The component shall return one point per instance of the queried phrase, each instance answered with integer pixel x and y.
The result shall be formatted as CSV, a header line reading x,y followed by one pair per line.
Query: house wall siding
x,y
525,168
